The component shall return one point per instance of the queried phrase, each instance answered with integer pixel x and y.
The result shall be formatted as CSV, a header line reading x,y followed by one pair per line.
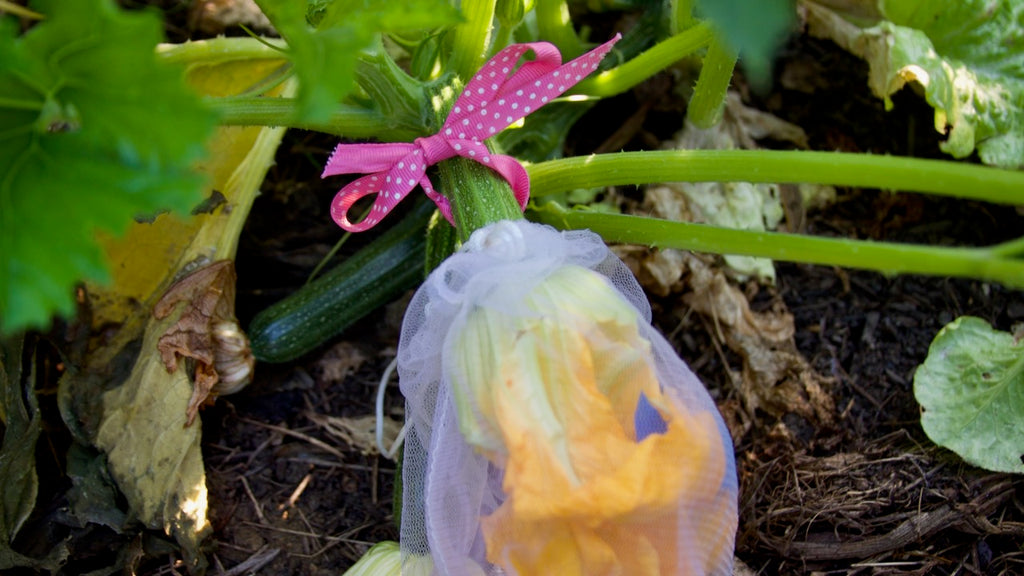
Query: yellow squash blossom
x,y
552,430
605,472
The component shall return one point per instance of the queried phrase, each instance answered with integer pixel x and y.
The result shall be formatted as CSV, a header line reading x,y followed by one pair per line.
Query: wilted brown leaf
x,y
358,432
203,332
775,376
215,16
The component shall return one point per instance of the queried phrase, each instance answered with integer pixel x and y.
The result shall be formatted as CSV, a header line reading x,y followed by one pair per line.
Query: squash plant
x,y
98,128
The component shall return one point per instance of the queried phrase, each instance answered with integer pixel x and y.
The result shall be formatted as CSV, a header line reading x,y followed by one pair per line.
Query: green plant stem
x,y
19,11
682,15
471,38
940,177
242,188
650,62
219,50
478,195
502,39
555,26
15,104
397,95
705,107
347,120
1009,248
883,257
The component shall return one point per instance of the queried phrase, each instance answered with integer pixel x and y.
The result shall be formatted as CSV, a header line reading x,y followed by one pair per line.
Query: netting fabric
x,y
552,429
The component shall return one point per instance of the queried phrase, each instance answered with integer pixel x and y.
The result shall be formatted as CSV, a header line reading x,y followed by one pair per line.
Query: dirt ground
x,y
849,486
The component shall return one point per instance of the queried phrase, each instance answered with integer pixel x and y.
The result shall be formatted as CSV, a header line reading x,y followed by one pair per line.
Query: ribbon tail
x,y
388,195
365,158
513,172
443,205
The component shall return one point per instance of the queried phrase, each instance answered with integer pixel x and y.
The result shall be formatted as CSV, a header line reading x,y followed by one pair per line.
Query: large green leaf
x,y
971,390
325,56
967,55
93,132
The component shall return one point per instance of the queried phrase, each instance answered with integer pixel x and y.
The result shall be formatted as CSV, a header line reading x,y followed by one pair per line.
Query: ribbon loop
x,y
496,97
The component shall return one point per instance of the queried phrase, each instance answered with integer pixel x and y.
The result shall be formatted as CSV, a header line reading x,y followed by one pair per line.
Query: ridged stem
x,y
647,64
945,178
705,107
885,257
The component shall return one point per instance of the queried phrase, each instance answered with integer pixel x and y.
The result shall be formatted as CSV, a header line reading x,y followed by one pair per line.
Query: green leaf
x,y
753,28
325,57
971,390
93,132
967,55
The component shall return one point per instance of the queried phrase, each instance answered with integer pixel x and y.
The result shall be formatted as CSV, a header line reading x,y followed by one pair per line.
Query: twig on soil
x,y
252,564
287,432
911,530
255,503
296,493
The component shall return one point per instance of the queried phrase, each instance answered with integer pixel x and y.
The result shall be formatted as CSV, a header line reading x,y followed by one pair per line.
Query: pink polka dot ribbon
x,y
498,95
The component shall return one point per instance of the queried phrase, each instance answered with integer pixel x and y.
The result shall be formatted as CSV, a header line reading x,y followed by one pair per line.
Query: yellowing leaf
x,y
152,455
156,459
143,261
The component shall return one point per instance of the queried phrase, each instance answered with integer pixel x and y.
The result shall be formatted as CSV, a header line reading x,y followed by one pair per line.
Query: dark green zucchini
x,y
366,280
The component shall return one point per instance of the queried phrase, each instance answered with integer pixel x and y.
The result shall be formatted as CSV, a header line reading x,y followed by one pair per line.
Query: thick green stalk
x,y
705,107
478,195
940,177
1009,248
220,50
397,95
471,38
682,15
650,62
885,257
347,121
555,26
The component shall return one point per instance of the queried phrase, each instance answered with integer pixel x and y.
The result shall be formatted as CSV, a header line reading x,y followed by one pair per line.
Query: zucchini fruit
x,y
324,308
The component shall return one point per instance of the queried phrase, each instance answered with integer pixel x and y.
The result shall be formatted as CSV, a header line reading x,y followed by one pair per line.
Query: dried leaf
x,y
19,481
203,332
359,432
18,451
775,376
209,295
339,362
659,271
215,16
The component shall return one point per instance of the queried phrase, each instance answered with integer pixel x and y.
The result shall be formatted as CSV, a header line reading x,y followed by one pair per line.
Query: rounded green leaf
x,y
971,390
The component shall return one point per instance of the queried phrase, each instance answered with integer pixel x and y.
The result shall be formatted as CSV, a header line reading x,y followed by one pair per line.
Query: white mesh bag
x,y
552,429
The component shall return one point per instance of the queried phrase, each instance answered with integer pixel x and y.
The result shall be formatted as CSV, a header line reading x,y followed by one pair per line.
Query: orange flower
x,y
605,472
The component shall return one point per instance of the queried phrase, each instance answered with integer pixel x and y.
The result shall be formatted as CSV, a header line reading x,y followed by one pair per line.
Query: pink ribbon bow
x,y
492,100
